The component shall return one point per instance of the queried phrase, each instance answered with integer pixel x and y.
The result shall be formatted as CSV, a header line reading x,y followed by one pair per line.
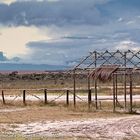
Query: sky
x,y
58,32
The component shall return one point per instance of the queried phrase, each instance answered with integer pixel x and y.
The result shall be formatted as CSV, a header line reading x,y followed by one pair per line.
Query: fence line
x,y
27,92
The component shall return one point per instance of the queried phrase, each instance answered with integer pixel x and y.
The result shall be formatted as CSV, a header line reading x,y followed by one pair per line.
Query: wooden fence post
x,y
131,98
125,92
3,99
89,98
45,96
125,81
67,98
114,98
24,97
74,88
116,88
95,81
96,98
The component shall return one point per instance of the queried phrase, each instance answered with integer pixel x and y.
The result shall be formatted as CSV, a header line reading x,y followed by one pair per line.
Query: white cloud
x,y
7,1
120,19
13,40
131,22
128,45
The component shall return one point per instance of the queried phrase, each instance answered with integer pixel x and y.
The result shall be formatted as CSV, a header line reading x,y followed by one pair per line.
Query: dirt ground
x,y
59,122
109,128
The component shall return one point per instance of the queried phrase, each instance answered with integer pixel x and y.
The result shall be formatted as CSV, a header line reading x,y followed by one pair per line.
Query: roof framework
x,y
108,65
124,59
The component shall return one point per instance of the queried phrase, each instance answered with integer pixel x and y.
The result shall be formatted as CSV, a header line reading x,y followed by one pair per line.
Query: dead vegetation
x,y
39,112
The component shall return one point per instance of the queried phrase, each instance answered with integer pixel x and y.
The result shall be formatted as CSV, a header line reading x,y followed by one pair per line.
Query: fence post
x,y
24,97
95,81
89,98
96,98
131,97
67,98
114,98
125,80
3,99
45,96
74,88
125,92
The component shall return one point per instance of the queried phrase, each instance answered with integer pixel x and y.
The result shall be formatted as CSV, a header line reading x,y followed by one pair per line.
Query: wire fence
x,y
12,96
65,96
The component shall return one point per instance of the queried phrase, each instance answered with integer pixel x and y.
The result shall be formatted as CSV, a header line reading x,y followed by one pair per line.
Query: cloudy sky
x,y
58,32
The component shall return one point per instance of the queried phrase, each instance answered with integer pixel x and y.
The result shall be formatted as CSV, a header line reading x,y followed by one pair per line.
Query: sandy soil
x,y
103,129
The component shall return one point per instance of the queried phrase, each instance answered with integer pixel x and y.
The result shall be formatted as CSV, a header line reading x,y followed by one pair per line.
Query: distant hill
x,y
15,66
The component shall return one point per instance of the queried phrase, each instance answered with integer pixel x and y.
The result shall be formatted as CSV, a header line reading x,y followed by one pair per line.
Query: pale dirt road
x,y
103,129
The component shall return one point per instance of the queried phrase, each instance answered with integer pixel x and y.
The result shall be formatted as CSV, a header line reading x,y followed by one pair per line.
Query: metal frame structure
x,y
128,63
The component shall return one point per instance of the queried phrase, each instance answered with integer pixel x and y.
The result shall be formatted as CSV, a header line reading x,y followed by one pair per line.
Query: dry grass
x,y
40,112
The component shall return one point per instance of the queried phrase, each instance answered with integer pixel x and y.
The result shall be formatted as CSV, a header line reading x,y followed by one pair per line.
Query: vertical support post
x,y
89,98
96,98
24,97
95,83
45,96
114,101
88,78
3,99
131,98
89,91
116,88
74,88
125,93
67,98
125,100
